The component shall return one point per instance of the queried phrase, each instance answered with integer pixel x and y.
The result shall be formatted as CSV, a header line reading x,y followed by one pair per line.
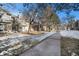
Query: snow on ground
x,y
32,37
64,33
70,34
14,35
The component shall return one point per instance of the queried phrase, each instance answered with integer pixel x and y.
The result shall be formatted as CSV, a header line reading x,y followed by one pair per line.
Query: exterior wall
x,y
8,27
6,21
6,18
23,26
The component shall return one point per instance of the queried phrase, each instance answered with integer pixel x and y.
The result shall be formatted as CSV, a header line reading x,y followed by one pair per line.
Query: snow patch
x,y
70,34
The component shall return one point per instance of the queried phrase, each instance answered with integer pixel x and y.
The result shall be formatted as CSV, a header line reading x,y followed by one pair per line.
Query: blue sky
x,y
74,13
14,11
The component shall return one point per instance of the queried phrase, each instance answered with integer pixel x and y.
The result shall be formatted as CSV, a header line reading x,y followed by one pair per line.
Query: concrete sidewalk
x,y
49,47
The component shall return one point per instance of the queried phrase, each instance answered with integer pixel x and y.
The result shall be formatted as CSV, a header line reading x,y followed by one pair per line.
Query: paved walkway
x,y
49,47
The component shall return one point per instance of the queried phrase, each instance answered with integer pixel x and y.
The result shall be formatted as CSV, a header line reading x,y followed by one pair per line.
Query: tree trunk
x,y
49,29
39,27
29,27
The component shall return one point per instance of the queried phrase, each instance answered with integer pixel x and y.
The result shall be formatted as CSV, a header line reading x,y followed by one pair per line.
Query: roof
x,y
1,9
